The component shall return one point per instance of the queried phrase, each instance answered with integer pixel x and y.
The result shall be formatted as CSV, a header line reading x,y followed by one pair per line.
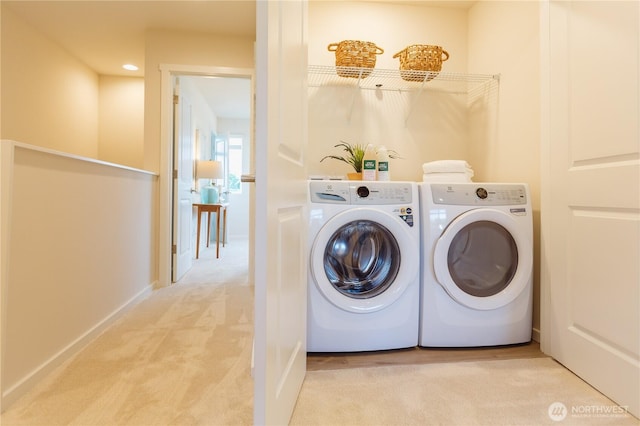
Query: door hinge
x,y
174,249
175,174
176,99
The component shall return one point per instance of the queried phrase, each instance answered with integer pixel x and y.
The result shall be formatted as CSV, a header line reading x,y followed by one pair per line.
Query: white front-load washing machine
x,y
477,264
364,266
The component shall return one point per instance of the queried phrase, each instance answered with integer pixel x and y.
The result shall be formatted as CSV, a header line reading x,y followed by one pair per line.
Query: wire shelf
x,y
385,79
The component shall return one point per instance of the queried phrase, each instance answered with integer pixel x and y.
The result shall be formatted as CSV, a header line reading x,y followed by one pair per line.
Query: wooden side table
x,y
217,209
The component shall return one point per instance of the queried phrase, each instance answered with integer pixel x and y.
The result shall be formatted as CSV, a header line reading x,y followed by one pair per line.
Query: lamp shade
x,y
209,170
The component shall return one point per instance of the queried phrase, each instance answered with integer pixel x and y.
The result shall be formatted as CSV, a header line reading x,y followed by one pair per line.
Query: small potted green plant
x,y
353,157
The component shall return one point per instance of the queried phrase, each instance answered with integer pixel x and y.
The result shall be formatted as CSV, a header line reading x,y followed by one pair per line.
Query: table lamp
x,y
209,169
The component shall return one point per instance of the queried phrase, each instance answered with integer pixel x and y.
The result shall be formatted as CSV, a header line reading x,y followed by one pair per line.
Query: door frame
x,y
165,209
545,179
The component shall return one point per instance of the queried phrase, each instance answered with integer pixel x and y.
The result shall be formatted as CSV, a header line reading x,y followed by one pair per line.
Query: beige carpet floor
x,y
506,392
182,357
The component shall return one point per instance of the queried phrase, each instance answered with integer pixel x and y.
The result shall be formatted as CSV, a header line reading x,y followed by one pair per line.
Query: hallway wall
x,y
49,98
77,248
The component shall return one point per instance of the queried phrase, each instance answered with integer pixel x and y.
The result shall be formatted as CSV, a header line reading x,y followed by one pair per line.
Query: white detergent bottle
x,y
369,163
383,164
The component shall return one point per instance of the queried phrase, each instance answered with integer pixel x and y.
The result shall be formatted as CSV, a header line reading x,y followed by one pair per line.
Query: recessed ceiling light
x,y
130,67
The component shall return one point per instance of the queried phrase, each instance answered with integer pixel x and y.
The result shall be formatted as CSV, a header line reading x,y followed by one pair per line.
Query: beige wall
x,y
59,284
504,37
121,118
390,26
52,100
166,47
420,128
49,98
72,105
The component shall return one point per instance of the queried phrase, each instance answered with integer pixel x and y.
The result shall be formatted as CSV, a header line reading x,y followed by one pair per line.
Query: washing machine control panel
x,y
380,193
361,192
467,194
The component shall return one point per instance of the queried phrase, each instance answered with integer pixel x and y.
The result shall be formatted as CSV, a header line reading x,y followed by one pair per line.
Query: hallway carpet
x,y
180,357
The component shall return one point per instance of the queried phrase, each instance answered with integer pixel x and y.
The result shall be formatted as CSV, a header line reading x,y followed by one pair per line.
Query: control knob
x,y
362,191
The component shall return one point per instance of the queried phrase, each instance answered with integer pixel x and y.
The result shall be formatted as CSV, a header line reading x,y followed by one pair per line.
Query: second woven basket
x,y
421,61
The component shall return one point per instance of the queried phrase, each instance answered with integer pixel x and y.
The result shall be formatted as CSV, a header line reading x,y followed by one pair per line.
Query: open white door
x,y
591,197
281,209
182,258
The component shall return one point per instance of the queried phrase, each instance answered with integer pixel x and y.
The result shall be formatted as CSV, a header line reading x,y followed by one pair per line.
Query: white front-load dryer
x,y
364,266
477,264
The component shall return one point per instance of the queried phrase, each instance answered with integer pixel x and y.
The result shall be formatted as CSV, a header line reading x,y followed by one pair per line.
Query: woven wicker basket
x,y
421,61
355,54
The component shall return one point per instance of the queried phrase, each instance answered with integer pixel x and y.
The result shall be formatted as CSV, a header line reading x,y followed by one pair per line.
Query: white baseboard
x,y
535,334
11,395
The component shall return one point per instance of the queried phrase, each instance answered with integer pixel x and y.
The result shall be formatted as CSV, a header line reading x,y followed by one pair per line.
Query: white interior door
x,y
182,258
281,209
591,216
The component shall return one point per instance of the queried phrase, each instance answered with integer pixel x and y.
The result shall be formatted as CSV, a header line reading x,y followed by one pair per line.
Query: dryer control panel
x,y
489,194
361,192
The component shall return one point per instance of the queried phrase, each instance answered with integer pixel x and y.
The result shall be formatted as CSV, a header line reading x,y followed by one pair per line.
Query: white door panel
x,y
592,218
598,185
599,90
281,209
183,165
589,313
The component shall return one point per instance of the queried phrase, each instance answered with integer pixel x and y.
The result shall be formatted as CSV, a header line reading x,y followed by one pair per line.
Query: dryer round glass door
x,y
362,260
483,260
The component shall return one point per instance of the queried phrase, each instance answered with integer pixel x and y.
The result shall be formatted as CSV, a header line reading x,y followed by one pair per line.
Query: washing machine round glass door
x,y
362,260
483,259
